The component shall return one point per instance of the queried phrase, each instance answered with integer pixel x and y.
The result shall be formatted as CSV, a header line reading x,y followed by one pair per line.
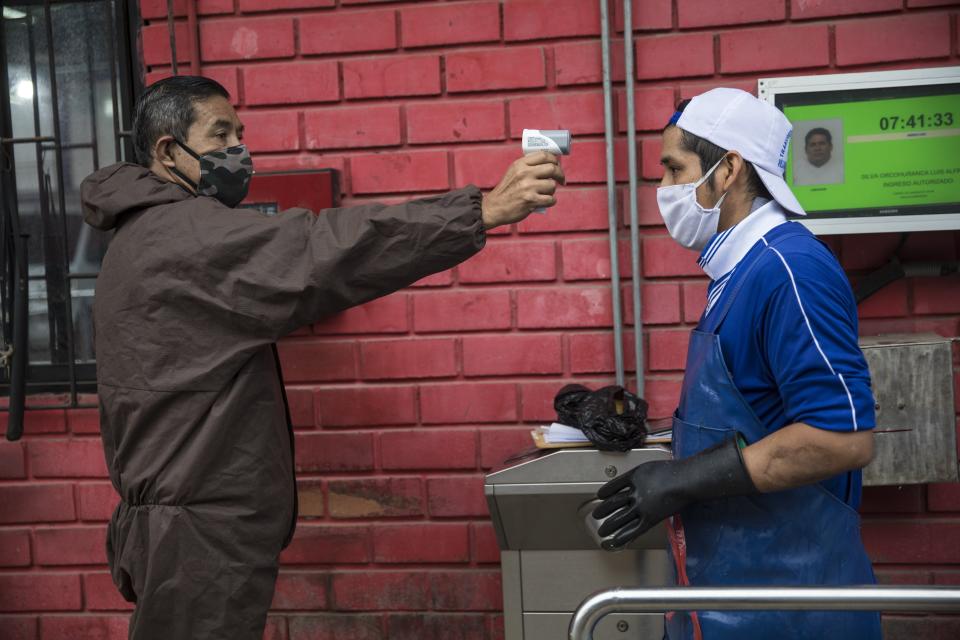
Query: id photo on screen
x,y
818,152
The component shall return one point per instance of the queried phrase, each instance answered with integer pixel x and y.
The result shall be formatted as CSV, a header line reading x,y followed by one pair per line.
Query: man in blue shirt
x,y
776,412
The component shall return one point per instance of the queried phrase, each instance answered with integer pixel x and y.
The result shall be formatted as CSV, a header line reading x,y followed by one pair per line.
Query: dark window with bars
x,y
71,79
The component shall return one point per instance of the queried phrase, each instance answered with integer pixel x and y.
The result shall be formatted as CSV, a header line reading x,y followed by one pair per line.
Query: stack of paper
x,y
660,437
560,436
557,432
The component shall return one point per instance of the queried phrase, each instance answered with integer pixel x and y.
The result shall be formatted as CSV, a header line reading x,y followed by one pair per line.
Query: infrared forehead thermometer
x,y
556,141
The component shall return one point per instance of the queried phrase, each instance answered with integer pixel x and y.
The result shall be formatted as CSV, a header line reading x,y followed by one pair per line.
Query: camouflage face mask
x,y
224,175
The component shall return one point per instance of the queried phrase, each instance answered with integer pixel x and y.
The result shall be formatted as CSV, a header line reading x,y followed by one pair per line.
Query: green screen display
x,y
854,154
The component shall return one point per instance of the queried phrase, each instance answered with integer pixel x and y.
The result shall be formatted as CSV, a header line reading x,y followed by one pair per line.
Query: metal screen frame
x,y
768,89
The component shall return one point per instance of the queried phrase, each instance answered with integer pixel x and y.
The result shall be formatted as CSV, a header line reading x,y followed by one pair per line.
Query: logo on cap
x,y
782,161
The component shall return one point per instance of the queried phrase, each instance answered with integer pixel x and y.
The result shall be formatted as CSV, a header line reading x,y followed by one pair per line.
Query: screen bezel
x,y
879,84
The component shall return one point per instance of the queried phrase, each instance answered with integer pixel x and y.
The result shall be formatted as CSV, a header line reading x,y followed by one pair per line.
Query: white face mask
x,y
688,223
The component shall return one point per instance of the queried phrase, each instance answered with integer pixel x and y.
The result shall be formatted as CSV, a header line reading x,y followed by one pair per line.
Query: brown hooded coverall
x,y
191,298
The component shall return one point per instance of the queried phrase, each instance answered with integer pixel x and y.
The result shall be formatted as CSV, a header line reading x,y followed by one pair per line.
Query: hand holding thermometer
x,y
556,141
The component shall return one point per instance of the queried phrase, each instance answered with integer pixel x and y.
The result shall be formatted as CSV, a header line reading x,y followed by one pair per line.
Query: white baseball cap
x,y
736,121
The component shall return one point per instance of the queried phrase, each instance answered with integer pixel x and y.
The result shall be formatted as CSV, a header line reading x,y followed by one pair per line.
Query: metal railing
x,y
662,599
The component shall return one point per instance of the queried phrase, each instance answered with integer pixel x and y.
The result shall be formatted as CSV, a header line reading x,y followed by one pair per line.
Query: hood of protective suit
x,y
114,192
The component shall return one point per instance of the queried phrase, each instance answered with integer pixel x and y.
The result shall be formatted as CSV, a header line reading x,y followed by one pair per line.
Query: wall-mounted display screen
x,y
874,151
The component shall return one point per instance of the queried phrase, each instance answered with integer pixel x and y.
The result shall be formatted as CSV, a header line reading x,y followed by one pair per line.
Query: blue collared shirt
x,y
790,339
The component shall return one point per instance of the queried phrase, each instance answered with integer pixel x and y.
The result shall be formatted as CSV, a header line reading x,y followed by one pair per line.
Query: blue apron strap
x,y
717,318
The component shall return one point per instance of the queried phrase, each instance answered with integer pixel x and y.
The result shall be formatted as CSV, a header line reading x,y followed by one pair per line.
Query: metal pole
x,y
21,338
15,291
112,35
611,192
91,65
173,36
658,600
31,139
48,238
193,30
632,171
64,267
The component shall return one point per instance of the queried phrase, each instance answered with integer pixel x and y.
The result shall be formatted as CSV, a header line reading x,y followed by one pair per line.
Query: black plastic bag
x,y
612,418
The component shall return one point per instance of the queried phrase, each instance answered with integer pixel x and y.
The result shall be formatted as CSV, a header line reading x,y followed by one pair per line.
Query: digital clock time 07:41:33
x,y
914,121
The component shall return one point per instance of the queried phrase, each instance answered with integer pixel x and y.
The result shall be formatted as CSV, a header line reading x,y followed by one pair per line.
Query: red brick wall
x,y
401,406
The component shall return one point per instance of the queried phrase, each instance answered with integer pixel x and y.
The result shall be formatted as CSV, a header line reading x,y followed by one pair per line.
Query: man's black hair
x,y
166,108
710,155
817,131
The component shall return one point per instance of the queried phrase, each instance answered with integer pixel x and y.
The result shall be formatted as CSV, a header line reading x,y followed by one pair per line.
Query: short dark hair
x,y
166,108
710,154
817,131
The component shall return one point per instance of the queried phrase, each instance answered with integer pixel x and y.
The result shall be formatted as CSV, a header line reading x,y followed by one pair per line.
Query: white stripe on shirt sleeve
x,y
853,412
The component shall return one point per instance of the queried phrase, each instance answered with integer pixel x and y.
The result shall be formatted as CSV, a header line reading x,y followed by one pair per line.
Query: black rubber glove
x,y
655,490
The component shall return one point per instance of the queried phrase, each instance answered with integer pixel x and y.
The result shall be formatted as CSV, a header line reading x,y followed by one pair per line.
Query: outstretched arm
x,y
266,276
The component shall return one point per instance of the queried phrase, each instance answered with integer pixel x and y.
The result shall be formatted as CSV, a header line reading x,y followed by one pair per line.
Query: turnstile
x,y
550,551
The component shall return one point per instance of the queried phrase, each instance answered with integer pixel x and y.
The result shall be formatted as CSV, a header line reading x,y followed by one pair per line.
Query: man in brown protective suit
x,y
191,298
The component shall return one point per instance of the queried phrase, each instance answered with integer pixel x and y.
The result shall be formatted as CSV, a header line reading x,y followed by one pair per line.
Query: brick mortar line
x,y
717,29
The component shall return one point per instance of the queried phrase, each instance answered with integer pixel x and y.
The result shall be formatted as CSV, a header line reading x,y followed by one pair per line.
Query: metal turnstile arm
x,y
657,600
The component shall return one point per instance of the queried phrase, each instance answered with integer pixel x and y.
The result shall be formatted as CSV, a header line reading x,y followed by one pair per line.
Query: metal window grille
x,y
70,81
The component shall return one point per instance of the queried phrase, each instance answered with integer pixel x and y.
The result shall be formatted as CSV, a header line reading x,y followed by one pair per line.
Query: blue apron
x,y
804,536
